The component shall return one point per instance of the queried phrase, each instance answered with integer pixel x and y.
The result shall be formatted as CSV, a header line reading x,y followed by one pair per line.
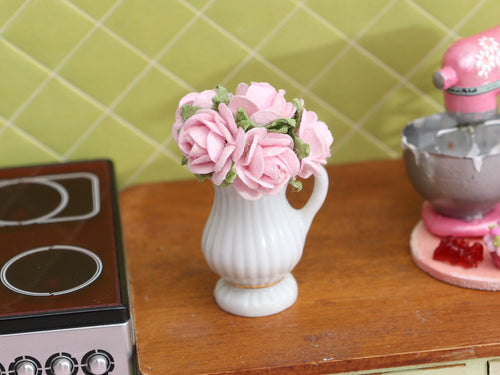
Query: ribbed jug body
x,y
252,243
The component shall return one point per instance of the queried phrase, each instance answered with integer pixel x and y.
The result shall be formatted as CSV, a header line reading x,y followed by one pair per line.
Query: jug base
x,y
251,302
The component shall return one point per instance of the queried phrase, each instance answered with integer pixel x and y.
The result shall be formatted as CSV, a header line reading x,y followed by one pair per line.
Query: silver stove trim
x,y
115,339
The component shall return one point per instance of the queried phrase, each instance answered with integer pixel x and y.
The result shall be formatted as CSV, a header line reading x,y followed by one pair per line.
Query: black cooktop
x,y
61,253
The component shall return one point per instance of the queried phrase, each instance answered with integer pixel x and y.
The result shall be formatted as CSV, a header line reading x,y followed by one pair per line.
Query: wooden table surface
x,y
362,303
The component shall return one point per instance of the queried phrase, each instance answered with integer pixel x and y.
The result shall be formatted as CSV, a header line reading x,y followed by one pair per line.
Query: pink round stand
x,y
447,226
423,243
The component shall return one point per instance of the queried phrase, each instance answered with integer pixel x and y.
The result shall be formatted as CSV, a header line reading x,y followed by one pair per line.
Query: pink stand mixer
x,y
453,160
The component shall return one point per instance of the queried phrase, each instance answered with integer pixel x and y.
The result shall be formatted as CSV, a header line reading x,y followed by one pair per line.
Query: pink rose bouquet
x,y
253,139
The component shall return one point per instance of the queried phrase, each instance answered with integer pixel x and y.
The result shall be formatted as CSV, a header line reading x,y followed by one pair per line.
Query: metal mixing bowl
x,y
457,170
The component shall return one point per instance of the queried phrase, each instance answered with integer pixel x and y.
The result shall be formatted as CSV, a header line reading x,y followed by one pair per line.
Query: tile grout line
x,y
162,149
450,35
449,31
284,75
85,95
51,75
110,109
351,44
273,32
132,47
118,38
14,16
28,137
76,89
54,72
392,72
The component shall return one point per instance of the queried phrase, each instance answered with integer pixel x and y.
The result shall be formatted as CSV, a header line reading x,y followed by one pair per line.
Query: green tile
x,y
163,168
174,150
48,30
485,18
357,148
449,12
58,116
114,141
349,16
302,52
154,23
401,108
95,8
257,71
18,78
7,10
17,150
336,124
203,56
151,104
354,91
422,78
103,67
241,17
402,37
197,3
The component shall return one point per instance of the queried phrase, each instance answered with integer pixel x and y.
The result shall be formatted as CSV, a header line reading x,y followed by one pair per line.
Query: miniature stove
x,y
64,301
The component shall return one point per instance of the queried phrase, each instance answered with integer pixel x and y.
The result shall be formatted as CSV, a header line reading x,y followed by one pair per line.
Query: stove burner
x,y
27,201
51,270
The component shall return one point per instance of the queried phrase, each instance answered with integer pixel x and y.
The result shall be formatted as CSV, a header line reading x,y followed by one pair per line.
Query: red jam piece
x,y
458,251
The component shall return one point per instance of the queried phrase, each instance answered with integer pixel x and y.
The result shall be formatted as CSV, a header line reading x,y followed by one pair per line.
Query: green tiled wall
x,y
102,78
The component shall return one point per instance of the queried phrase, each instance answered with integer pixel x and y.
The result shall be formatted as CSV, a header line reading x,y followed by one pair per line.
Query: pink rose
x,y
267,164
319,138
211,141
495,231
262,102
197,99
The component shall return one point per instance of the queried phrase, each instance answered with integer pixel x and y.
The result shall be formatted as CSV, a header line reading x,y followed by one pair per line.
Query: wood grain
x,y
363,304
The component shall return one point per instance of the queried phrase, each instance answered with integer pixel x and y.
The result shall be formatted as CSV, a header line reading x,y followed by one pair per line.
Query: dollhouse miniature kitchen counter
x,y
363,305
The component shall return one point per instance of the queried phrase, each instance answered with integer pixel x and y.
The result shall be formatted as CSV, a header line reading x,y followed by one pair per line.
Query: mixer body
x,y
470,77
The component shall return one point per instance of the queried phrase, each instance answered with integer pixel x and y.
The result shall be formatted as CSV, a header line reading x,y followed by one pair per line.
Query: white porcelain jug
x,y
253,245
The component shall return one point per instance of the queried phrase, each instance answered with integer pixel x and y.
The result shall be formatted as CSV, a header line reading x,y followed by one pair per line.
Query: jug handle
x,y
317,197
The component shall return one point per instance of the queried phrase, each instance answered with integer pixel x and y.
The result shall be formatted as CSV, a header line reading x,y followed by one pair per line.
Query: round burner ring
x,y
64,197
93,261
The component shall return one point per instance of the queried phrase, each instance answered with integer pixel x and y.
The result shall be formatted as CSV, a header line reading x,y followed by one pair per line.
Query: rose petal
x,y
256,167
245,191
238,102
224,158
239,144
214,146
220,175
265,117
199,135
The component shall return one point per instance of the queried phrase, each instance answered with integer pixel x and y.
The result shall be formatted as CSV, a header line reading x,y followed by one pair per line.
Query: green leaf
x,y
298,113
230,177
301,148
282,125
496,241
188,110
184,160
242,120
202,177
296,184
222,96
